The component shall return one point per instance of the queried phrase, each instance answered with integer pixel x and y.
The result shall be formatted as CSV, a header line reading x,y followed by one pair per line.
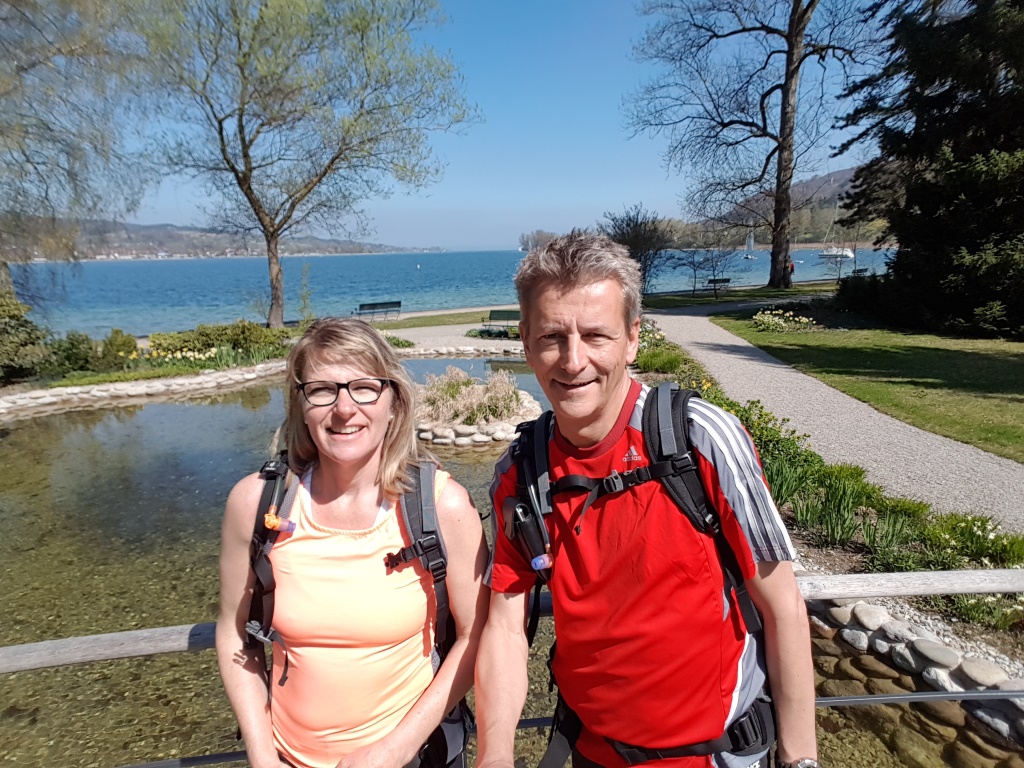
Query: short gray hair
x,y
578,259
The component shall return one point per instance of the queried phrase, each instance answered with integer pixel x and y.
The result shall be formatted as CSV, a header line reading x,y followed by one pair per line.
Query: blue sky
x,y
553,151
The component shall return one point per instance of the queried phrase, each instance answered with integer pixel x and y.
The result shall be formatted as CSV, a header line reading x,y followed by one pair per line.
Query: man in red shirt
x,y
652,650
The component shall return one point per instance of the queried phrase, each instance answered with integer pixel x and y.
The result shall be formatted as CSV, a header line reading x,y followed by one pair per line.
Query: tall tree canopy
x,y
729,99
945,112
295,111
61,156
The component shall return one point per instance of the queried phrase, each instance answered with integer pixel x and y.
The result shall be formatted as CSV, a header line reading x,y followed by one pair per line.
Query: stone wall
x,y
861,648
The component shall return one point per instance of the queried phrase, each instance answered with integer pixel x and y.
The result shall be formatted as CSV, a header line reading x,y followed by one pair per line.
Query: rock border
x,y
46,402
470,435
907,648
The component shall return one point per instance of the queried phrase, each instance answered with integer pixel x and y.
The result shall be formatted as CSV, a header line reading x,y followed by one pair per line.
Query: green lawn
x,y
687,299
971,390
427,321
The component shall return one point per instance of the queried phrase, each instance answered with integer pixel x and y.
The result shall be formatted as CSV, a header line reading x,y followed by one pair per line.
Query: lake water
x,y
143,296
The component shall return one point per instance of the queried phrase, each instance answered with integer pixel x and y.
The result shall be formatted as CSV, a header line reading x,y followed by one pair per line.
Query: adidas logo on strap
x,y
632,455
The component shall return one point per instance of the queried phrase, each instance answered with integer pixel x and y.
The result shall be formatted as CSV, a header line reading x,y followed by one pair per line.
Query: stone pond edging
x,y
44,402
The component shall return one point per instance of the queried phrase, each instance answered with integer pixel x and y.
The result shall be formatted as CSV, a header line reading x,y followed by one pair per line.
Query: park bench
x,y
379,308
859,272
501,319
500,322
716,284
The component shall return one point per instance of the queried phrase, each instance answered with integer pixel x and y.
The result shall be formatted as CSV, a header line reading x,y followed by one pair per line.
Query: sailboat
x,y
749,255
834,253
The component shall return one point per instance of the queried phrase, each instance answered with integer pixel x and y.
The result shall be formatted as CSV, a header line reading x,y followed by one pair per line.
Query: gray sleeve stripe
x,y
636,418
720,438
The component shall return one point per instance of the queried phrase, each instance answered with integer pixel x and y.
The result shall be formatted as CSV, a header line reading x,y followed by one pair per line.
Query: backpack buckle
x,y
613,483
254,629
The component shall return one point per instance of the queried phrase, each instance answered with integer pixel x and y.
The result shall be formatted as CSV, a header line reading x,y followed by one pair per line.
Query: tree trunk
x,y
6,281
780,276
275,319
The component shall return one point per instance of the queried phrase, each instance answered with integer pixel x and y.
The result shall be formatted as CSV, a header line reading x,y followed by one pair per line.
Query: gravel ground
x,y
905,460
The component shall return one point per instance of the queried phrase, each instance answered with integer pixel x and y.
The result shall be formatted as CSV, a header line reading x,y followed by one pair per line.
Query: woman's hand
x,y
380,754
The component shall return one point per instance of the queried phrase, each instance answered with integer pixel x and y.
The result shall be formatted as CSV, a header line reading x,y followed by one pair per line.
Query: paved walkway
x,y
904,460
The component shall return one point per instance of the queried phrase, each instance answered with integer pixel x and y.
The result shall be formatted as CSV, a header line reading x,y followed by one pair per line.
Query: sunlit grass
x,y
971,390
740,293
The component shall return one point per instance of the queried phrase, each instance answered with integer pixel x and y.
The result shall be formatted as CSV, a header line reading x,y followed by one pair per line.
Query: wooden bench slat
x,y
373,308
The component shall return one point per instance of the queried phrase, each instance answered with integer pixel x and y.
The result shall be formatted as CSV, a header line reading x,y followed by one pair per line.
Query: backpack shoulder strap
x,y
667,439
419,515
666,433
271,517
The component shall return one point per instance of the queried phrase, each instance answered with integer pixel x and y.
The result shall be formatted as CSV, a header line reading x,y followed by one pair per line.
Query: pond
x,y
111,522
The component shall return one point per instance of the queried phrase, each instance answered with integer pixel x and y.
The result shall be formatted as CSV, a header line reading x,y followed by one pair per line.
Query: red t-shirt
x,y
651,652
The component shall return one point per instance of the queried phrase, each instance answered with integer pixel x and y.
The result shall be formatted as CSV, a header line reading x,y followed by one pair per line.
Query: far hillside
x,y
115,238
815,204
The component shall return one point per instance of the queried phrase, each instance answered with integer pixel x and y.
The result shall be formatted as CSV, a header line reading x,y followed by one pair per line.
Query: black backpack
x,y
673,464
446,745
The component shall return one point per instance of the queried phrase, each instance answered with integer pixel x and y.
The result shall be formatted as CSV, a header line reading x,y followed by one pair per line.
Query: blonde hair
x,y
578,259
351,342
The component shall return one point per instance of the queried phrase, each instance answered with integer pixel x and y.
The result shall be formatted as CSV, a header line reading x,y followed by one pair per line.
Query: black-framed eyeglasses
x,y
362,391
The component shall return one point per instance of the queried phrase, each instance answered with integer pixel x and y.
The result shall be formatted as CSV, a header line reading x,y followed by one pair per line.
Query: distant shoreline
x,y
106,258
201,257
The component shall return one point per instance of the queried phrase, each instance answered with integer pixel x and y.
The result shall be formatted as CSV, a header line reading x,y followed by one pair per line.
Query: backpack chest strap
x,y
617,482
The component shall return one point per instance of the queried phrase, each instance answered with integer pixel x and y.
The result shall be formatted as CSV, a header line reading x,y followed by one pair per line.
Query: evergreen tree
x,y
945,112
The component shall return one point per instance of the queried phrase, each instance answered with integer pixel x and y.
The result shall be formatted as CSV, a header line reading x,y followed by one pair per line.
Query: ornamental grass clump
x,y
455,397
659,360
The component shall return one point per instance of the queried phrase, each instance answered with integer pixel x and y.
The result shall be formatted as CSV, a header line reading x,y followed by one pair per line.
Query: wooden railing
x,y
199,637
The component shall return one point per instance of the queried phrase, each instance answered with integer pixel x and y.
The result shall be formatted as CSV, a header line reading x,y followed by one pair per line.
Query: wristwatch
x,y
804,762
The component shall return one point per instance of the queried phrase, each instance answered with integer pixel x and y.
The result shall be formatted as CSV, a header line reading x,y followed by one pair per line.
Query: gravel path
x,y
904,460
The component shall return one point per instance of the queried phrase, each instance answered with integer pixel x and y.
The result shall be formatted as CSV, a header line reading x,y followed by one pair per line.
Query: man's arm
x,y
788,654
501,679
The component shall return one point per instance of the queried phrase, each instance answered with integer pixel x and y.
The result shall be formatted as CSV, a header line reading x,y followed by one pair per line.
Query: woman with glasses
x,y
353,682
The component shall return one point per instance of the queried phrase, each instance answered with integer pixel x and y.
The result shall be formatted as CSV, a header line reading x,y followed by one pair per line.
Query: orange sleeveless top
x,y
357,636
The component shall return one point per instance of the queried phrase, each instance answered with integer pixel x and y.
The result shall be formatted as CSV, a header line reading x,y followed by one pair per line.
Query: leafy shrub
x,y
971,539
995,610
659,360
75,352
116,351
893,560
914,511
397,341
845,486
21,341
774,440
242,335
